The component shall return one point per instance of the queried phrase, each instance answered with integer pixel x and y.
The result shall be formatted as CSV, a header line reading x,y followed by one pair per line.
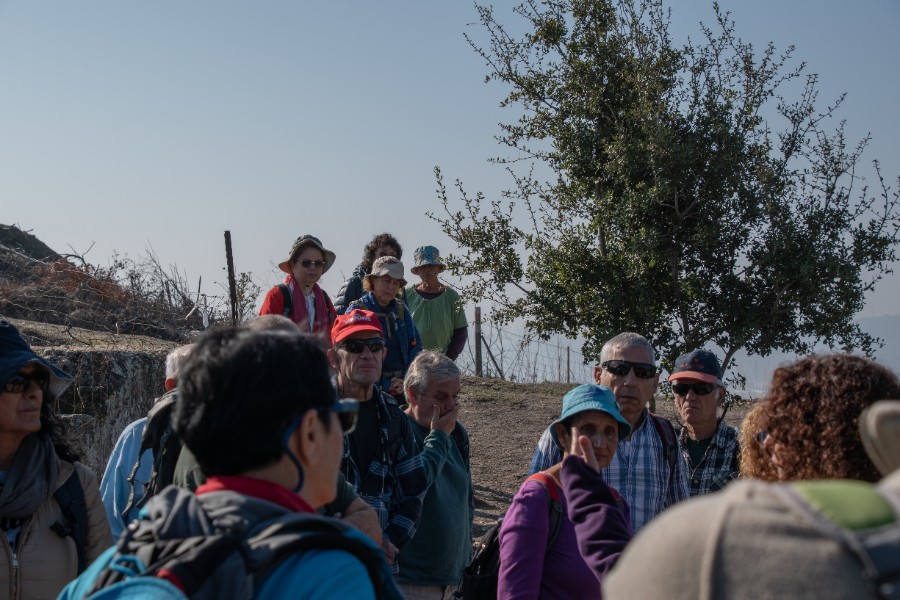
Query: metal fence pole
x,y
478,371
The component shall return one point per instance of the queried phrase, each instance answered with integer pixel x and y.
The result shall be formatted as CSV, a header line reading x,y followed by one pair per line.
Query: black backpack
x,y
159,436
479,578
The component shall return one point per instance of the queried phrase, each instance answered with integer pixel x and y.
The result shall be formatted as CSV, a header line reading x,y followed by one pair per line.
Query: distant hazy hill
x,y
758,371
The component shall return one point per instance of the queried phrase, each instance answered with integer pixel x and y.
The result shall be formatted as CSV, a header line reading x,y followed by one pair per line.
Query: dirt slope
x,y
504,421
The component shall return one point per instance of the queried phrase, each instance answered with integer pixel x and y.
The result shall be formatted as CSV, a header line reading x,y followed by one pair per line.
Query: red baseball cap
x,y
353,322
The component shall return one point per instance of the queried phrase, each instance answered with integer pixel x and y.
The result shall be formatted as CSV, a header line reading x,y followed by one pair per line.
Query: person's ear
x,y
411,396
332,358
562,434
308,438
598,370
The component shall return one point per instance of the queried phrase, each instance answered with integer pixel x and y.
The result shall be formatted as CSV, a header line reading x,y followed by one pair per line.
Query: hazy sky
x,y
131,124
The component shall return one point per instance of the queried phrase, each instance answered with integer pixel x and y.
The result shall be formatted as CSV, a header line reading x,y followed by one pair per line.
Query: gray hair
x,y
272,323
176,359
427,367
626,340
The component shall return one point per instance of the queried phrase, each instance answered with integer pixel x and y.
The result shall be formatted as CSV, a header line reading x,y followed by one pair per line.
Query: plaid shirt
x,y
718,465
395,483
639,471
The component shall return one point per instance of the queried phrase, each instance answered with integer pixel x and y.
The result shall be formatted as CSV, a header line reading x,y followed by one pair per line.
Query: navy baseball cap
x,y
701,365
15,353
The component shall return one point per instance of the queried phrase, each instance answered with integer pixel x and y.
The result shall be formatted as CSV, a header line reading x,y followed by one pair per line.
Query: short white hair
x,y
176,359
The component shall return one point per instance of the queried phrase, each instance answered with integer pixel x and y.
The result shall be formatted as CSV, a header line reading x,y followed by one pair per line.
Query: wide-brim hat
x,y
299,244
701,365
387,265
590,396
15,353
427,255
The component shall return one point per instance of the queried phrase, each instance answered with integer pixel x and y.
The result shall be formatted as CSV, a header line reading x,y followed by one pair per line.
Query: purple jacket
x,y
528,569
600,516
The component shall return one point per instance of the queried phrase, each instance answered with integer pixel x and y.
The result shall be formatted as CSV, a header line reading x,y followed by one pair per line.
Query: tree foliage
x,y
697,194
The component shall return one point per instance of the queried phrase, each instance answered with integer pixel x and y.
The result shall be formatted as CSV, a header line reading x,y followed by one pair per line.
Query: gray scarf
x,y
31,477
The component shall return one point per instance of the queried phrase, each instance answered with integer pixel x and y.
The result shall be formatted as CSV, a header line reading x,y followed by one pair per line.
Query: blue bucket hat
x,y
427,255
15,353
590,396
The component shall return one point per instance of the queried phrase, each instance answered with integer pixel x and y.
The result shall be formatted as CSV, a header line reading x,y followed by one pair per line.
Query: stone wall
x,y
116,378
112,388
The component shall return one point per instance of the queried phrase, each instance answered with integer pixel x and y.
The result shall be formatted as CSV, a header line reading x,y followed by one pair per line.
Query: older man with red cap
x,y
381,457
708,444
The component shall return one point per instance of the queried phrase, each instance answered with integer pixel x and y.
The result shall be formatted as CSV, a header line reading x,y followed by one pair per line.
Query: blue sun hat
x,y
590,396
427,255
15,353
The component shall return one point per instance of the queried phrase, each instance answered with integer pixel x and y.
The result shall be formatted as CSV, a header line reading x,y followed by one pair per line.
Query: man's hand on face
x,y
447,422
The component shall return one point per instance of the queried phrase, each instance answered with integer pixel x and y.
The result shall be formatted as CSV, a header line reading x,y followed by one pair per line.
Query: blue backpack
x,y
222,562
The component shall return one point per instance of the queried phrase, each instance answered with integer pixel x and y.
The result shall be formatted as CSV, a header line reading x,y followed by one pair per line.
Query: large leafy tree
x,y
695,193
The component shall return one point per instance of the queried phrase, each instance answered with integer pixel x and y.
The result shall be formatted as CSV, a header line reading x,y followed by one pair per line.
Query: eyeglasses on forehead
x,y
621,367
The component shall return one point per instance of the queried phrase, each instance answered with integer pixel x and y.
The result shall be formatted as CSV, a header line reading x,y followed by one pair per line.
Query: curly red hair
x,y
814,406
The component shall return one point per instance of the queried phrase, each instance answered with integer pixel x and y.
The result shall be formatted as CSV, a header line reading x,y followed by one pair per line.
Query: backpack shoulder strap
x,y
70,497
158,437
553,495
288,301
859,516
329,307
666,433
462,443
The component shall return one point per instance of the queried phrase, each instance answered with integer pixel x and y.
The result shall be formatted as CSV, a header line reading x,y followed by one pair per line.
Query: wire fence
x,y
516,356
141,297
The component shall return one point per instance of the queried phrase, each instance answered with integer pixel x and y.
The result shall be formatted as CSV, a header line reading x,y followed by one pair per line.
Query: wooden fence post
x,y
232,285
478,371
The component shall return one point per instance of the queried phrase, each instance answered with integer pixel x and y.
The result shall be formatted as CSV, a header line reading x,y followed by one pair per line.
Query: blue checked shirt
x,y
719,463
395,483
639,471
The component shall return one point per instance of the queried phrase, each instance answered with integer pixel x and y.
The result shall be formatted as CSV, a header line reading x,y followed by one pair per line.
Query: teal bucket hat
x,y
590,396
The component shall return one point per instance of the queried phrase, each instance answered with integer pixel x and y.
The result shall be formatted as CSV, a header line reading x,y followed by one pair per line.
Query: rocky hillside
x,y
128,296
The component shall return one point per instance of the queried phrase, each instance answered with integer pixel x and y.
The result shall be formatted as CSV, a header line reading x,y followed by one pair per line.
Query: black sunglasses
x,y
375,345
307,263
347,411
621,367
701,389
19,382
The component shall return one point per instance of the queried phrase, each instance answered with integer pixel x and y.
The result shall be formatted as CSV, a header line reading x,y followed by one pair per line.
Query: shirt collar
x,y
257,488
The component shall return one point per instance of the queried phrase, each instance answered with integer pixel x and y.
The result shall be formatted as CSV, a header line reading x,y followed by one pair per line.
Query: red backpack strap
x,y
549,485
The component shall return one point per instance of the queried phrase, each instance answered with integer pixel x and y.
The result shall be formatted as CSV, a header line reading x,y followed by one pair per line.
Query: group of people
x,y
827,423
428,315
311,466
